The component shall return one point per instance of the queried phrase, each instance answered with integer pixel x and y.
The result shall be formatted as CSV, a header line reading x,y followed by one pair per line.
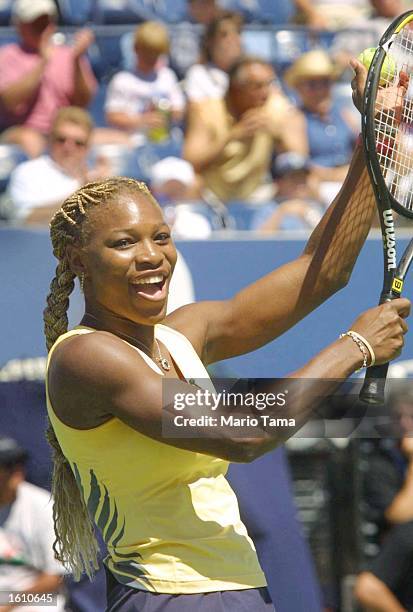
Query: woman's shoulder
x,y
91,354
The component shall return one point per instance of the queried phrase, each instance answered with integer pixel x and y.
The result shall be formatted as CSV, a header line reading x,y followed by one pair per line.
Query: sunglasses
x,y
315,83
63,139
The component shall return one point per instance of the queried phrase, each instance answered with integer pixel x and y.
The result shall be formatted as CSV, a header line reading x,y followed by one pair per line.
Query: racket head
x,y
388,136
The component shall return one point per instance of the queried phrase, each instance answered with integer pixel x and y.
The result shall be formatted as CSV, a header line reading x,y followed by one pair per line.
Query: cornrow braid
x,y
75,545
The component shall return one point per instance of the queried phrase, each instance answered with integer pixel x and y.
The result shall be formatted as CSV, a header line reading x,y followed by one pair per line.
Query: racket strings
x,y
394,129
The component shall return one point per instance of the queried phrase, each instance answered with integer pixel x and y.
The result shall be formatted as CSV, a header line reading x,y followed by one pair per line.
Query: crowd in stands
x,y
252,132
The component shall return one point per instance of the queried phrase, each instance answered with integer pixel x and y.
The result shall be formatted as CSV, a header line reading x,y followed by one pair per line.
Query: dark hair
x,y
212,30
239,64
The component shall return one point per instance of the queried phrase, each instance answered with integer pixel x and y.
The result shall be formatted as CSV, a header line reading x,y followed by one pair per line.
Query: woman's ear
x,y
75,257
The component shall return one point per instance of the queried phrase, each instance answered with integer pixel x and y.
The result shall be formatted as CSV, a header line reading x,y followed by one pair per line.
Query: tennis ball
x,y
388,69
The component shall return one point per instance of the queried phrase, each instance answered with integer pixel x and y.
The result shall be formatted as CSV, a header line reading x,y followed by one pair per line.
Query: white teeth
x,y
149,280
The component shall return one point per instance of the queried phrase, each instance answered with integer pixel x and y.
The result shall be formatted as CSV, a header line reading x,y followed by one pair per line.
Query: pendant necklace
x,y
163,361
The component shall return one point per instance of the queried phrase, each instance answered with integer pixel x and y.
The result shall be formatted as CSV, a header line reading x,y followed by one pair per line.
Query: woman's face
x,y
314,91
129,258
225,48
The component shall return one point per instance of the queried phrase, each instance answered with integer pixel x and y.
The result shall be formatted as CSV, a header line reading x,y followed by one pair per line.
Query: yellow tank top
x,y
168,516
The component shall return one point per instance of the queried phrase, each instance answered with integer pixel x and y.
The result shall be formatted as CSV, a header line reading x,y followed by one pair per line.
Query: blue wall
x,y
219,269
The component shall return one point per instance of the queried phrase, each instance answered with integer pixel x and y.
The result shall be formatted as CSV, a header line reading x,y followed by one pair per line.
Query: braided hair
x,y
75,545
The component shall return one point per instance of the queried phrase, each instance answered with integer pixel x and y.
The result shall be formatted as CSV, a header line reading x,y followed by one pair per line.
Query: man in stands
x,y
39,186
230,141
37,78
27,563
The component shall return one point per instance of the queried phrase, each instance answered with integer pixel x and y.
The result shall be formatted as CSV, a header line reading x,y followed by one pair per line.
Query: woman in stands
x,y
221,48
166,512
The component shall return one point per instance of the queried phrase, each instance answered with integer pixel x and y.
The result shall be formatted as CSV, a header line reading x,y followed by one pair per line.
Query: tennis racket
x,y
388,146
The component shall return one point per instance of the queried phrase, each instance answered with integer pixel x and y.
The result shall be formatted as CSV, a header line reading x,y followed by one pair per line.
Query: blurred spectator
x,y
37,78
331,132
27,562
38,187
230,141
338,14
221,47
147,101
176,188
366,31
185,36
387,584
297,203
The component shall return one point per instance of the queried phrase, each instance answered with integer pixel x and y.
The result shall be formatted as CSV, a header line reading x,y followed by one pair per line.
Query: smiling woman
x,y
167,514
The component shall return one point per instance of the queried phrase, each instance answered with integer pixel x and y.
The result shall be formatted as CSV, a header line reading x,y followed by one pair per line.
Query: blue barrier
x,y
27,266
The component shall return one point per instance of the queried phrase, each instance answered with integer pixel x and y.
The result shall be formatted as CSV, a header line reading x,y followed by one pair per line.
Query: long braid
x,y
75,545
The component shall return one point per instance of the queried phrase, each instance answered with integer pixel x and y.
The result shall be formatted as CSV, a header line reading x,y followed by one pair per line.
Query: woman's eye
x,y
122,243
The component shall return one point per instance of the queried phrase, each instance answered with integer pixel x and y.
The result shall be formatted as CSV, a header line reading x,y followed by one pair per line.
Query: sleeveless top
x,y
168,516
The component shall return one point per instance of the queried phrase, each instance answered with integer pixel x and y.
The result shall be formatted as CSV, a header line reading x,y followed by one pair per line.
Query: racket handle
x,y
372,391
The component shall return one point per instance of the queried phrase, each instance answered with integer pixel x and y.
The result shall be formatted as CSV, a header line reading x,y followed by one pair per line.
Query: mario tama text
x,y
241,407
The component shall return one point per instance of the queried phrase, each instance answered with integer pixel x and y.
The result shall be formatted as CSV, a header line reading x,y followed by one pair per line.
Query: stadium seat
x,y
5,12
258,42
124,11
76,12
7,35
170,11
96,107
150,153
273,12
288,45
106,54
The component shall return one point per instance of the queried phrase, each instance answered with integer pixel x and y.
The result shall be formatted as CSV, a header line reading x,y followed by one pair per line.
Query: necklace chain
x,y
163,361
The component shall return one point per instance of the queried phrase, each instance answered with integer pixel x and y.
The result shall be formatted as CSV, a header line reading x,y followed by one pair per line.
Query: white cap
x,y
172,169
27,11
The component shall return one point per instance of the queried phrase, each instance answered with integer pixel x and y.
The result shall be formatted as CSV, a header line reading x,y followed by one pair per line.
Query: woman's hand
x,y
384,328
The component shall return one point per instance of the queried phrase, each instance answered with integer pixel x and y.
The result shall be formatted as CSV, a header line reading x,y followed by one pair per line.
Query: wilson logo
x,y
389,240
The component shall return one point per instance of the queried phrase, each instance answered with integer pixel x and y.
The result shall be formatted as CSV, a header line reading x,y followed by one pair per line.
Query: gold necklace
x,y
163,361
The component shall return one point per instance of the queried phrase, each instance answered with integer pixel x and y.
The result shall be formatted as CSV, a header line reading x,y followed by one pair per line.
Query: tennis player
x,y
166,512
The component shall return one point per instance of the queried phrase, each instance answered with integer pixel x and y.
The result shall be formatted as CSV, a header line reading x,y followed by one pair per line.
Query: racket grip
x,y
372,391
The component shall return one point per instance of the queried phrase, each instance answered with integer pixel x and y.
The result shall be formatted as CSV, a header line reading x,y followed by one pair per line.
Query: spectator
x,y
37,78
62,170
145,102
185,36
174,185
297,205
230,140
331,133
27,562
220,49
387,586
366,31
338,14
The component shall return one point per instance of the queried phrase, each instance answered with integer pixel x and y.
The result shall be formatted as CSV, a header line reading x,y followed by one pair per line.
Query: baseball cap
x,y
290,162
27,11
172,168
11,452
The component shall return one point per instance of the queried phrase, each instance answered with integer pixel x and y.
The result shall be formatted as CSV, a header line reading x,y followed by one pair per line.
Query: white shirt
x,y
205,81
133,94
39,182
26,538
